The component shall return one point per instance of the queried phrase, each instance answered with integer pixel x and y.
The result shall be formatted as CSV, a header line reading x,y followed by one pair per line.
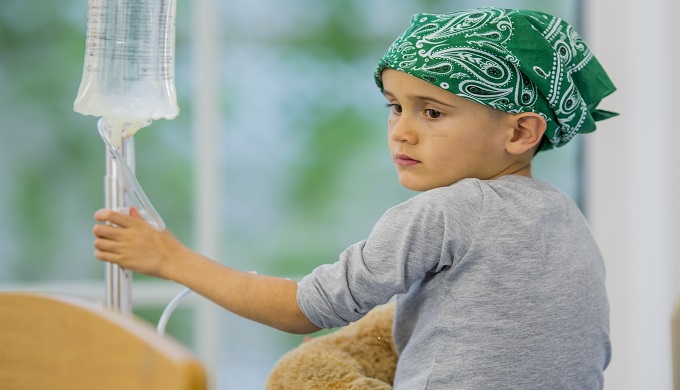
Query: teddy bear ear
x,y
361,355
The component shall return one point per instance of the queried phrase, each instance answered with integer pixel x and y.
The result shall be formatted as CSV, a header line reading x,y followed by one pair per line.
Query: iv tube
x,y
134,195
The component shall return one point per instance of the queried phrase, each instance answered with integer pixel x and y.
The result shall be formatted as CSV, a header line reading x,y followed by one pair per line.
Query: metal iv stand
x,y
118,279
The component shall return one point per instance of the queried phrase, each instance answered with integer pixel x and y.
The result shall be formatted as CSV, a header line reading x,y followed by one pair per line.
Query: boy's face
x,y
437,138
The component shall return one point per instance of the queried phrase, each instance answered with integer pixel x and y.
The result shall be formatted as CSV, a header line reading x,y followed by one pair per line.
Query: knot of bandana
x,y
511,60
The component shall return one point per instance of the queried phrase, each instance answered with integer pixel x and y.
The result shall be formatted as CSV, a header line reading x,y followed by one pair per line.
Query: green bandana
x,y
511,60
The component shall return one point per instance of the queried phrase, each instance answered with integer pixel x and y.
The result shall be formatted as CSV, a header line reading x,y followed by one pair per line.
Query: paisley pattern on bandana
x,y
511,60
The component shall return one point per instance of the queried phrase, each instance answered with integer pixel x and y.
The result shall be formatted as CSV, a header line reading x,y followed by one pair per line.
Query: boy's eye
x,y
433,114
396,108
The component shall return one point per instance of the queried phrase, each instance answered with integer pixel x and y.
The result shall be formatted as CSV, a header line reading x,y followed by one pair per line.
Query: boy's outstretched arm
x,y
136,245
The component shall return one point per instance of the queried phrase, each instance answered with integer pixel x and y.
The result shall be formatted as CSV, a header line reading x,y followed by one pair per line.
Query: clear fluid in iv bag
x,y
128,74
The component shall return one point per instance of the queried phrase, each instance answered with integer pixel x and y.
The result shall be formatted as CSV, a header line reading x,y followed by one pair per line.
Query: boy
x,y
499,281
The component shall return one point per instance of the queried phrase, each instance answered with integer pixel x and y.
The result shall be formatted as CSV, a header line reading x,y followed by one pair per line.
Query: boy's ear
x,y
528,129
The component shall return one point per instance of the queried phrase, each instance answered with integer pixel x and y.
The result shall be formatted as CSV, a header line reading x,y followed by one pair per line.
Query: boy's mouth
x,y
405,161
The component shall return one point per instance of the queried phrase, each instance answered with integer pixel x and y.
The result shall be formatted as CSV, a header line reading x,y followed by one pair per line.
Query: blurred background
x,y
300,168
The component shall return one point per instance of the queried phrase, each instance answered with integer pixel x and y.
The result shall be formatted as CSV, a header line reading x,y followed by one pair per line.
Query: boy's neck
x,y
521,170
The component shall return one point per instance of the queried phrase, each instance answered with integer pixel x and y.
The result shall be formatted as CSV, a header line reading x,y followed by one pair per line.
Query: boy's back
x,y
511,295
525,305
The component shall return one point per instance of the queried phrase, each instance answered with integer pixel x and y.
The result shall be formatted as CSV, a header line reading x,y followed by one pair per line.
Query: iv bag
x,y
129,73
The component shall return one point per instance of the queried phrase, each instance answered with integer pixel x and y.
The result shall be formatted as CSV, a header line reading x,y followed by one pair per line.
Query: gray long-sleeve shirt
x,y
500,286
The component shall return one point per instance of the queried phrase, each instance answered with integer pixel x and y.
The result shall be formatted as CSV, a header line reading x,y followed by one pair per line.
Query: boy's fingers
x,y
106,232
122,220
105,245
104,215
106,256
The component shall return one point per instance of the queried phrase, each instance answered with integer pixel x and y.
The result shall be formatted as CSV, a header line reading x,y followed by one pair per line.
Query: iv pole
x,y
118,280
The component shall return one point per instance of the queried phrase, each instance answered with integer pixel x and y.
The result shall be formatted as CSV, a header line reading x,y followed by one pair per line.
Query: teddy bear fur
x,y
359,356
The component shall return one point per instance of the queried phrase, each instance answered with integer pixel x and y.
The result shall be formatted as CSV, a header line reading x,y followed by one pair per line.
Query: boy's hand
x,y
132,243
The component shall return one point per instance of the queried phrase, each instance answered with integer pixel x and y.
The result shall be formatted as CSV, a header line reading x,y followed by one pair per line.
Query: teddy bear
x,y
359,356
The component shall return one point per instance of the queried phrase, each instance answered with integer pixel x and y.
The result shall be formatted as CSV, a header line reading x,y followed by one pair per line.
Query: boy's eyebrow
x,y
428,99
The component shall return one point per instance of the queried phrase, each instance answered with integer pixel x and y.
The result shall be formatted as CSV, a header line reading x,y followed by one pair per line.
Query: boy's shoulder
x,y
475,188
465,194
472,192
463,189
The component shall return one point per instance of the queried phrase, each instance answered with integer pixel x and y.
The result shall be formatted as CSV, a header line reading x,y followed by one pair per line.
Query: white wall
x,y
633,183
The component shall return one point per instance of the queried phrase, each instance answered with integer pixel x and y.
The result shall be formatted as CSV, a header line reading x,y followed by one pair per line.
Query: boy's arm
x,y
136,245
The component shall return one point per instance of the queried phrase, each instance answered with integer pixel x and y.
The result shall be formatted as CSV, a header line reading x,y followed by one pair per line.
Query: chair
x,y
59,342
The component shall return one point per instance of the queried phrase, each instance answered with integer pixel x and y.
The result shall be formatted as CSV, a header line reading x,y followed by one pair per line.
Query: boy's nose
x,y
402,130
